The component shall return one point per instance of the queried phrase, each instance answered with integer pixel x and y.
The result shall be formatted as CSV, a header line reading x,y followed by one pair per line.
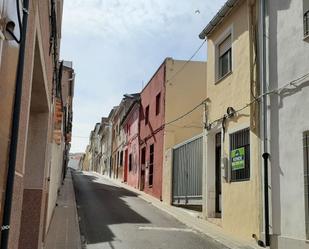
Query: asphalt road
x,y
113,217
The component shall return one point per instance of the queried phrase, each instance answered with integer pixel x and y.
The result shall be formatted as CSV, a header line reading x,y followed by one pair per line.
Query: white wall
x,y
289,118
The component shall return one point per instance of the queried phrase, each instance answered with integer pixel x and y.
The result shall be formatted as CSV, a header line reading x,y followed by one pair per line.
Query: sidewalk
x,y
64,231
188,218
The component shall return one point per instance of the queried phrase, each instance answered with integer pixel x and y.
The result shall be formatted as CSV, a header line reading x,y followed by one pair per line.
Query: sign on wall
x,y
238,158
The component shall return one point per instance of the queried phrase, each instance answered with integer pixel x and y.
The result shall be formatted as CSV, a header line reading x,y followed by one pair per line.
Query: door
x,y
125,173
218,174
143,162
187,173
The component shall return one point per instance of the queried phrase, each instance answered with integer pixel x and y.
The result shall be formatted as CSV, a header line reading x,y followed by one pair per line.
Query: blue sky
x,y
116,46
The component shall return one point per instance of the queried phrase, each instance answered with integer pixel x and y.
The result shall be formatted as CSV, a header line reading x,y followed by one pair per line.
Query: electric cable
x,y
186,63
274,91
186,114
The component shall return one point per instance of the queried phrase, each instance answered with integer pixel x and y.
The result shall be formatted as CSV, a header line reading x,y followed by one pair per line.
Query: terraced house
x,y
232,160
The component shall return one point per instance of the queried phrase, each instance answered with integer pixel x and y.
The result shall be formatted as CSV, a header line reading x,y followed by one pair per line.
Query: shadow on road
x,y
100,205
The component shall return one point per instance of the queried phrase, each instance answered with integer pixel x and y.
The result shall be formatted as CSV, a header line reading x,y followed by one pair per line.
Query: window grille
x,y
306,23
151,160
306,180
240,143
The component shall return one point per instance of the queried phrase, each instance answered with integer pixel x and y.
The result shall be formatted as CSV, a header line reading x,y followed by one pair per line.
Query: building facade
x,y
232,176
130,125
287,119
40,89
119,139
106,145
62,133
188,85
152,133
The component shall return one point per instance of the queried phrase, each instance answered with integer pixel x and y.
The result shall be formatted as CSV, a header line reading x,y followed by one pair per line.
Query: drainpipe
x,y
14,135
264,118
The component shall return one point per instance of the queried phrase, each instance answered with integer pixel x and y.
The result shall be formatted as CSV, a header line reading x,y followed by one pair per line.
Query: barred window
x,y
306,17
240,155
306,180
306,23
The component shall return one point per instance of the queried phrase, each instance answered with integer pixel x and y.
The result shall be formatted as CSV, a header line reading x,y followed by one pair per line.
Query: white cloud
x,y
126,17
118,44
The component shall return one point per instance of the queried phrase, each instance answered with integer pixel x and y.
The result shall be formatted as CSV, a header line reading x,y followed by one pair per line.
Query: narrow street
x,y
112,217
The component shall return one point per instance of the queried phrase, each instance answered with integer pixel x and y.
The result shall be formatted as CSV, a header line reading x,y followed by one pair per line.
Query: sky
x,y
117,45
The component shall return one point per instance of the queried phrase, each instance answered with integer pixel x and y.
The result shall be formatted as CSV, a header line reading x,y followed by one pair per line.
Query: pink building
x,y
152,133
130,125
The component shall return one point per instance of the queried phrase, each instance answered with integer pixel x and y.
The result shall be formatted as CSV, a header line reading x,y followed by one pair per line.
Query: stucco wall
x,y
132,146
183,93
153,132
55,177
241,212
289,56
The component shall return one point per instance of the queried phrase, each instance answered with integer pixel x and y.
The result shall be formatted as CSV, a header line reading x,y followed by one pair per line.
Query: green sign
x,y
238,158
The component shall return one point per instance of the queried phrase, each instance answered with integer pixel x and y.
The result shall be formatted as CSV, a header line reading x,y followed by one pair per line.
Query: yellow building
x,y
185,93
232,161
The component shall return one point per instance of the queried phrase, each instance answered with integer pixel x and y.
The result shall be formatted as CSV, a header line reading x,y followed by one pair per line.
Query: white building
x,y
287,73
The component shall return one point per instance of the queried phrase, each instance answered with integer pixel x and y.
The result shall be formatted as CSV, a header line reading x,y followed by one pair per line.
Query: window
x,y
306,181
129,129
143,159
240,155
225,57
151,160
306,17
147,115
158,102
130,162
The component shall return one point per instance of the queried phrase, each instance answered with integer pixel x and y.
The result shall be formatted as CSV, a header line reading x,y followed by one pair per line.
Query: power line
x,y
187,113
278,90
186,63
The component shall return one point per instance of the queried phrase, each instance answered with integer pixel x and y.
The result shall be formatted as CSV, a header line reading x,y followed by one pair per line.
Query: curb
x,y
76,213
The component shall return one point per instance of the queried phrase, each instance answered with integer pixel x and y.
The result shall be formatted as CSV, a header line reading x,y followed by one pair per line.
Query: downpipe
x,y
264,118
5,228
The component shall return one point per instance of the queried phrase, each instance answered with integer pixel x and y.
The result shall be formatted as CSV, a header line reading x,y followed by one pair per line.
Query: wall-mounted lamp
x,y
231,112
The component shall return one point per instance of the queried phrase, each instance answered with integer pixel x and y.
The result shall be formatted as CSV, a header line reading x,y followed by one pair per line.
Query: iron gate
x,y
187,173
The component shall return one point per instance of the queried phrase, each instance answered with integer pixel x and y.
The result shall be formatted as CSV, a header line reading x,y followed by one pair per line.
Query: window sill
x,y
306,38
223,78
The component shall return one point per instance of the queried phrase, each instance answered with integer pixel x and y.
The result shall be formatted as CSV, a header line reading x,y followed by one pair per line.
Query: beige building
x,y
232,160
185,92
119,138
86,159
